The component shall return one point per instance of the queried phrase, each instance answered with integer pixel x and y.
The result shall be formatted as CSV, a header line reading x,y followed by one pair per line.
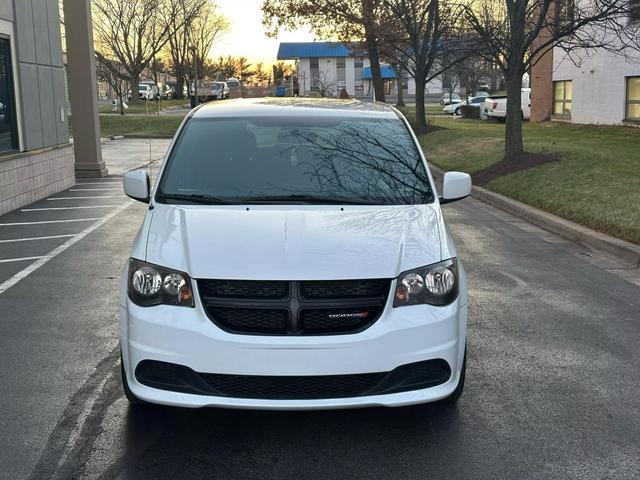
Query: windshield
x,y
277,160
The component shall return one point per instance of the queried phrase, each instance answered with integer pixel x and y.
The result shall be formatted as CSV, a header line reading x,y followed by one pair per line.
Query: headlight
x,y
150,285
435,284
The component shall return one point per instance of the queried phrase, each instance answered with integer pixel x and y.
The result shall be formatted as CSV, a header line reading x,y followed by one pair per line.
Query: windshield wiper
x,y
311,199
196,198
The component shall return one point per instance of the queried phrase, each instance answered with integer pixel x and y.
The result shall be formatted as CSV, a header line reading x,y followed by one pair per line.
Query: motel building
x,y
598,87
334,66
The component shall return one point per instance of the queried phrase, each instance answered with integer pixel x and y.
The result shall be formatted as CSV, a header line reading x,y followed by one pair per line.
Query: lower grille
x,y
329,307
178,378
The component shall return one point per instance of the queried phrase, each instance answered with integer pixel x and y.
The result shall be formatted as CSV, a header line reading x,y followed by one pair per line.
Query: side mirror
x,y
455,186
137,185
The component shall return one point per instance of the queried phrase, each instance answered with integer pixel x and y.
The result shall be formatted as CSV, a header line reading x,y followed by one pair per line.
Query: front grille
x,y
258,320
344,288
178,378
327,307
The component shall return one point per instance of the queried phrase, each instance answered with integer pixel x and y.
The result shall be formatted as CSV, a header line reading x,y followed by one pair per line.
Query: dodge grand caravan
x,y
294,256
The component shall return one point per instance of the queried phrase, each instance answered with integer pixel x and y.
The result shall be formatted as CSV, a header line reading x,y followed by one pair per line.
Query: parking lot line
x,y
94,189
28,239
83,198
98,183
61,248
67,208
49,221
8,260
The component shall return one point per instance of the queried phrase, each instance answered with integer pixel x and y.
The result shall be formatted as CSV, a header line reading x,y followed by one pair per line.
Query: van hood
x,y
277,242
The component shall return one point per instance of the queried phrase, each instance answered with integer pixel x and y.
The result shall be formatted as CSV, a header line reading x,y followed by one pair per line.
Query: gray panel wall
x,y
40,72
6,10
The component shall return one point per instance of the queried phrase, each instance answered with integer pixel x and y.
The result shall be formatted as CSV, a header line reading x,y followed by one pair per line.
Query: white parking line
x,y
67,208
84,198
94,189
48,237
58,250
23,259
50,221
99,183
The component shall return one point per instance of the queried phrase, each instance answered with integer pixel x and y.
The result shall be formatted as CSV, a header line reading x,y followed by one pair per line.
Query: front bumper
x,y
186,336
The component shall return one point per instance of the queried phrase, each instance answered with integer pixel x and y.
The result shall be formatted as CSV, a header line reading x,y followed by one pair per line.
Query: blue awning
x,y
387,72
295,50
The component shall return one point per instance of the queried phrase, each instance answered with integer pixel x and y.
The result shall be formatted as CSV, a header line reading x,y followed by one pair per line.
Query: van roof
x,y
269,106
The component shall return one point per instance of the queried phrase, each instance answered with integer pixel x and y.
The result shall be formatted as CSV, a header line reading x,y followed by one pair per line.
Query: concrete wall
x,y
46,162
27,178
40,73
599,85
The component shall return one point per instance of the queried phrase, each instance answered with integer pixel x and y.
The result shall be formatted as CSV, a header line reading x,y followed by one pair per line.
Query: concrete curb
x,y
626,251
146,137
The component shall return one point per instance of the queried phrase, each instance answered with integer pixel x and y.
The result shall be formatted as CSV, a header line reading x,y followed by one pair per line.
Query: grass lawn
x,y
596,183
137,125
140,107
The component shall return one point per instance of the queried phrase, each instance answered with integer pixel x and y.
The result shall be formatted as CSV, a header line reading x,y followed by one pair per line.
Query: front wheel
x,y
458,111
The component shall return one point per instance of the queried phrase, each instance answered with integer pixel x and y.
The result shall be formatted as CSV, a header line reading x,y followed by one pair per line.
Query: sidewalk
x,y
123,155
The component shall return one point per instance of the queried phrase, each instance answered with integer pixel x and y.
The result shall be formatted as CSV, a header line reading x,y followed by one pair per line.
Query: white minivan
x,y
294,255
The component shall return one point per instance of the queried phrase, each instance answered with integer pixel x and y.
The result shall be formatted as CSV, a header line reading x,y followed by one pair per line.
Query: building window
x,y
341,73
633,99
358,74
562,96
8,126
314,68
565,13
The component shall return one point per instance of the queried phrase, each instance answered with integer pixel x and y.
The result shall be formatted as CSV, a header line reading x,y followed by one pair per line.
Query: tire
x,y
455,395
133,400
458,111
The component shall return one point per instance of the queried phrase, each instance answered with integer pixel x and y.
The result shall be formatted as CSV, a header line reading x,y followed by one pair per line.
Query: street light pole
x,y
195,76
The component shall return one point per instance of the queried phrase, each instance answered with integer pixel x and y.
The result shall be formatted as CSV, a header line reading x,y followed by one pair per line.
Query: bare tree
x,y
128,31
517,33
207,27
324,83
344,19
112,72
417,33
177,49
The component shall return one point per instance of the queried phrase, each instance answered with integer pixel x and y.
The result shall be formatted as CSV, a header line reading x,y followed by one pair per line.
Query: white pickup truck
x,y
496,107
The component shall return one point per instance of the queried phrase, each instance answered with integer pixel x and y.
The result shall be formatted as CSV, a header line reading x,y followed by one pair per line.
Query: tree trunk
x,y
179,86
421,122
400,102
135,84
513,146
376,72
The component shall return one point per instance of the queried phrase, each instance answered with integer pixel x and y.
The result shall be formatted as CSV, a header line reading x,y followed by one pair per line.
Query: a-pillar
x,y
81,78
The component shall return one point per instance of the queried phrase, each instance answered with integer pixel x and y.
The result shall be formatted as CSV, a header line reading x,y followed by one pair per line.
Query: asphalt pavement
x,y
552,382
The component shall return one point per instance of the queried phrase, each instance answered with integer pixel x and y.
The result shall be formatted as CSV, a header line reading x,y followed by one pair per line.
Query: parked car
x,y
449,98
496,107
218,91
456,108
233,83
277,267
146,91
479,93
167,93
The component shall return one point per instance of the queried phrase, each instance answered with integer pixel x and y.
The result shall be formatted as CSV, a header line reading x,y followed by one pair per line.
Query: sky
x,y
247,37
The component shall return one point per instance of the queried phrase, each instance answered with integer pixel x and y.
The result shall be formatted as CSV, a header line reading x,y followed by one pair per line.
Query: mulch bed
x,y
428,129
504,167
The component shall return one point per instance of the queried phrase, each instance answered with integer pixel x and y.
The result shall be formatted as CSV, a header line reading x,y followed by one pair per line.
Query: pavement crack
x,y
57,445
